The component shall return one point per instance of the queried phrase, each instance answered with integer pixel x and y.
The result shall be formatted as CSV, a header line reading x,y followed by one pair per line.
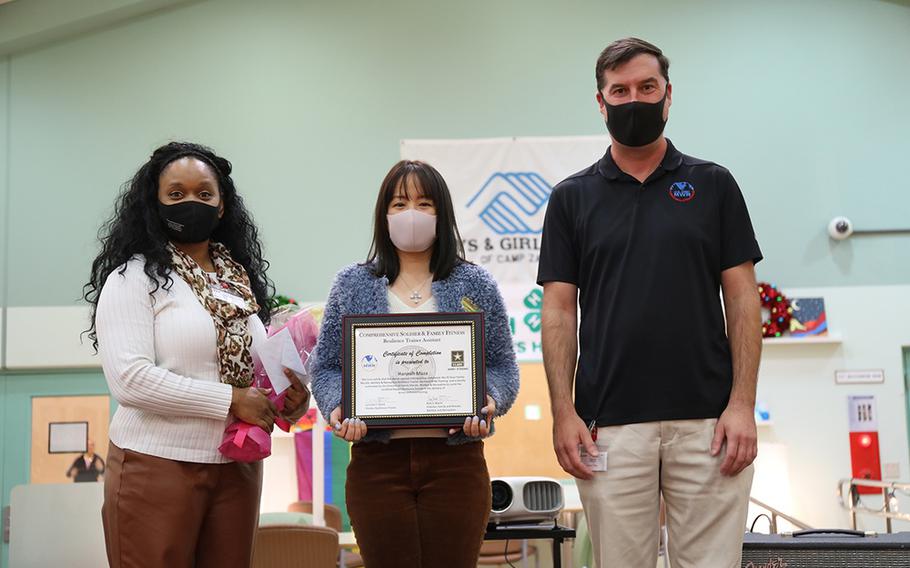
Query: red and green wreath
x,y
779,309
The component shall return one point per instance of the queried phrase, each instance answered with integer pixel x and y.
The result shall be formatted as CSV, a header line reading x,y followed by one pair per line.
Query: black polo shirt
x,y
647,259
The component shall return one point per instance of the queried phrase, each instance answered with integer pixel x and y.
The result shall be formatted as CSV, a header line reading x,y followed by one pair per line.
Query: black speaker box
x,y
826,549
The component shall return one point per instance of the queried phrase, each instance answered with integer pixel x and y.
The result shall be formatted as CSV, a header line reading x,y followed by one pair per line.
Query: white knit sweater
x,y
159,356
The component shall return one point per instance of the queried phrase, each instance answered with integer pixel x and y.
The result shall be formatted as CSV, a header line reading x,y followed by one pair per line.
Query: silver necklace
x,y
415,296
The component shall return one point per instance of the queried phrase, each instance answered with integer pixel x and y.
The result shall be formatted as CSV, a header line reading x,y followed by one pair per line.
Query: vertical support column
x,y
319,471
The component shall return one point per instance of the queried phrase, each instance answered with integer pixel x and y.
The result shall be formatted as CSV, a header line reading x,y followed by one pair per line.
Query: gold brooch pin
x,y
469,305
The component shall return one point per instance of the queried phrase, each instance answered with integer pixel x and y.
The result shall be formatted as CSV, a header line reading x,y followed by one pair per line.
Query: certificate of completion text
x,y
414,370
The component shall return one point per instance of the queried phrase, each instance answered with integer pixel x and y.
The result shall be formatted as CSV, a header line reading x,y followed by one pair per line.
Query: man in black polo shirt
x,y
645,240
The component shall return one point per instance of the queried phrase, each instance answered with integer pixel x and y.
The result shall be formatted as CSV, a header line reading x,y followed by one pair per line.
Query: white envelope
x,y
278,352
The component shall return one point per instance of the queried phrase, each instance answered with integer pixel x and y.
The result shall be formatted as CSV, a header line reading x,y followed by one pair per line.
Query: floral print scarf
x,y
230,301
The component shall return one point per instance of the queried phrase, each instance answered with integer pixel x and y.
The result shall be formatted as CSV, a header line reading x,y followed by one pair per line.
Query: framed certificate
x,y
413,370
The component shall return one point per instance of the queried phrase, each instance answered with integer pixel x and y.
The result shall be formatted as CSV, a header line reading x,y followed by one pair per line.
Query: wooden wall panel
x,y
521,446
51,468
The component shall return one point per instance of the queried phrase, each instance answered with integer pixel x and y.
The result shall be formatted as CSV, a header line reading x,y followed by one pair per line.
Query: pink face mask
x,y
412,230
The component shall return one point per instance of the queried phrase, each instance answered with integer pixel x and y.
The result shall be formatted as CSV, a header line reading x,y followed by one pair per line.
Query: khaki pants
x,y
706,511
164,513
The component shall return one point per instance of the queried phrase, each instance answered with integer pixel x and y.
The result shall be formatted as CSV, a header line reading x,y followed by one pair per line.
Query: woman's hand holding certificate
x,y
479,426
350,429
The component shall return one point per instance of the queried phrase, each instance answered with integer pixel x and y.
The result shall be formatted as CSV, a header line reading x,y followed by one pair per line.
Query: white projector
x,y
525,500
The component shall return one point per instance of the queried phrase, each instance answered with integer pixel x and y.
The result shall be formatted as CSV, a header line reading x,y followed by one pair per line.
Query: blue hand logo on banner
x,y
512,203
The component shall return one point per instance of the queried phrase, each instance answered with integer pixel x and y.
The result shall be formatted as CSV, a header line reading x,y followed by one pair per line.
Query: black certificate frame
x,y
350,323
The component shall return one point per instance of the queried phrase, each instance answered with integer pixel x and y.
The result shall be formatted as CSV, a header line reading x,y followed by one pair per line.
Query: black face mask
x,y
188,222
636,123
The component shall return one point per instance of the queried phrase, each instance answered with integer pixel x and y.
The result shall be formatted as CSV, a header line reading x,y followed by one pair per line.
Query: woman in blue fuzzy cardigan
x,y
417,497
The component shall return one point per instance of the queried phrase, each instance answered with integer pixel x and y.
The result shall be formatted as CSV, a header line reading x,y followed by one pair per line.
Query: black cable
x,y
505,554
755,520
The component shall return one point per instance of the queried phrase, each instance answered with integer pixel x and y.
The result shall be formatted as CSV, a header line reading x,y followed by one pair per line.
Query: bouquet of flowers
x,y
290,339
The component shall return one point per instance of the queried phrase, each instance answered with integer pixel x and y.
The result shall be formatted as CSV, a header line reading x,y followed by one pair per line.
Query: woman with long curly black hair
x,y
175,292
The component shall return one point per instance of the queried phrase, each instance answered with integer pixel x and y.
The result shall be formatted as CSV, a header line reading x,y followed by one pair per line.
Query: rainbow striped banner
x,y
336,458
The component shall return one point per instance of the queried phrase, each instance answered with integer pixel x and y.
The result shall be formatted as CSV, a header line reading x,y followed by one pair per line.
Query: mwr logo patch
x,y
369,362
682,191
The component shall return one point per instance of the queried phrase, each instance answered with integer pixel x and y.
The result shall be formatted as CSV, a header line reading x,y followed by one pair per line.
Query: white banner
x,y
500,189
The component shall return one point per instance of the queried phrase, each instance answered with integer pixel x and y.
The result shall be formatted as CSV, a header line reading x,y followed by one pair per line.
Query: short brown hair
x,y
623,50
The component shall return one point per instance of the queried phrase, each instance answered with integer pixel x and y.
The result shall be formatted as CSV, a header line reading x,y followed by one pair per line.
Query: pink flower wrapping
x,y
245,442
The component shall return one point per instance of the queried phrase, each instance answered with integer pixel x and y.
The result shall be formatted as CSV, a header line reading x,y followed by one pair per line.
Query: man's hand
x,y
559,331
737,423
569,432
737,426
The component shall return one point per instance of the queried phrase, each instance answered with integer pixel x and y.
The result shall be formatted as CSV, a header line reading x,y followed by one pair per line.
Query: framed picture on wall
x,y
67,437
809,318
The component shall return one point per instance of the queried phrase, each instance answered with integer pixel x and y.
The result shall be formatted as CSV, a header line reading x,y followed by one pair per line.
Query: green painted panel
x,y
4,198
341,457
907,387
16,393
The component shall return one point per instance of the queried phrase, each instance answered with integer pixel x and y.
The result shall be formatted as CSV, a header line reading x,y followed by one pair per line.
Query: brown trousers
x,y
418,502
165,513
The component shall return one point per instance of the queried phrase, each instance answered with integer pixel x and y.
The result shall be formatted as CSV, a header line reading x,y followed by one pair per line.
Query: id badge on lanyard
x,y
598,462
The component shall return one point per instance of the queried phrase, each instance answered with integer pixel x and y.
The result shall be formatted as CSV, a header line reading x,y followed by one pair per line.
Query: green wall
x,y
4,197
803,101
906,351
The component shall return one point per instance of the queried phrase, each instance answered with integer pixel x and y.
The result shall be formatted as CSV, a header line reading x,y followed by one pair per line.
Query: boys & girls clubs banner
x,y
500,189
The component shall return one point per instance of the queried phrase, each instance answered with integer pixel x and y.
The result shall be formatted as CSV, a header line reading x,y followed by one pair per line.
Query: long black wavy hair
x,y
135,228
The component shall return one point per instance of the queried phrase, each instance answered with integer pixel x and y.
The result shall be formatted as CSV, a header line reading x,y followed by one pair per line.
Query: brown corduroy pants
x,y
165,513
418,502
